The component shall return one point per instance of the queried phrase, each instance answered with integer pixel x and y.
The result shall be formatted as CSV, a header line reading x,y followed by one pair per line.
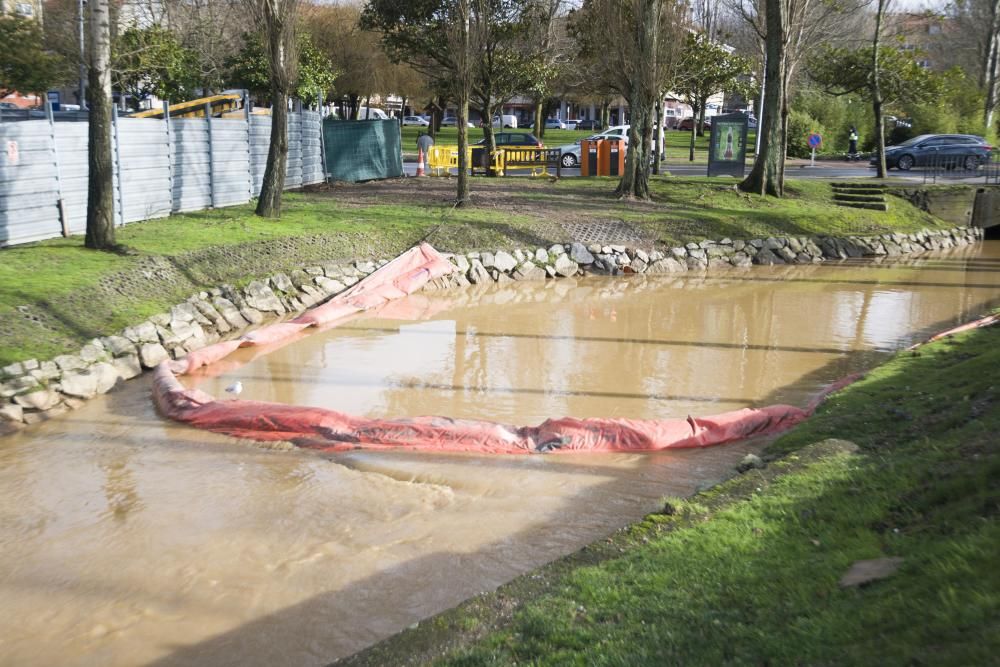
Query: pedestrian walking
x,y
852,141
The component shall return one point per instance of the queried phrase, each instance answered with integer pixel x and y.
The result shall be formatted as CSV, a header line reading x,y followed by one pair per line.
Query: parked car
x,y
613,132
571,152
965,151
570,155
8,105
513,140
415,120
688,123
571,123
588,124
451,121
554,124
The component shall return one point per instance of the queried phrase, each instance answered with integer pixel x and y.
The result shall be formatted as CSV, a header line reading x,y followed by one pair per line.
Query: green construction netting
x,y
362,150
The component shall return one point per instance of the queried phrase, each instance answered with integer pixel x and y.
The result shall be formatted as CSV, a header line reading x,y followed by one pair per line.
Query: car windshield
x,y
915,140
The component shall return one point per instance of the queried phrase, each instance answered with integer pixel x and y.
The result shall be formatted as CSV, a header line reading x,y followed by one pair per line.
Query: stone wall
x,y
33,390
952,203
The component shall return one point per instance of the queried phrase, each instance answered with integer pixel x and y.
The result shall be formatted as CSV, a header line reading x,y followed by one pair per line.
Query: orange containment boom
x,y
334,431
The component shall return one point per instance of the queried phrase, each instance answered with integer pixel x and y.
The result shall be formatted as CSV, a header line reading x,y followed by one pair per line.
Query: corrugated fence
x,y
160,167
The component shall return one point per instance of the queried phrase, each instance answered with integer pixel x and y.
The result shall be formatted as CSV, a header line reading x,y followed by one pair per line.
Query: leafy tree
x,y
768,173
25,66
315,74
152,61
435,37
633,39
900,80
707,68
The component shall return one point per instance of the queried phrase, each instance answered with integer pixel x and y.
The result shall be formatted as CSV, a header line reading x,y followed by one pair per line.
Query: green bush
x,y
800,126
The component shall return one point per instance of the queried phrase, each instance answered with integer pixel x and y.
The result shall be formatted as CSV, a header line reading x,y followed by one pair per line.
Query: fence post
x,y
116,140
246,119
322,138
60,204
170,151
211,153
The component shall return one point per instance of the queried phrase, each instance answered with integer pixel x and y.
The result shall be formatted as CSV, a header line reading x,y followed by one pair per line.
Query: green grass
x,y
748,572
55,295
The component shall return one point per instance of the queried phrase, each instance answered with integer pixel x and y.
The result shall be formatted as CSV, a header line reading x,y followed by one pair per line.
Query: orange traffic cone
x,y
420,162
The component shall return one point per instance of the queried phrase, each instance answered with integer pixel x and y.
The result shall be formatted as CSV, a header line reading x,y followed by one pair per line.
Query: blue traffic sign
x,y
815,140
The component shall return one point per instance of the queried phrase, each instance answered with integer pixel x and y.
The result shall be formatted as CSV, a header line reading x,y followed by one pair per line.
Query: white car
x,y
614,132
571,123
415,120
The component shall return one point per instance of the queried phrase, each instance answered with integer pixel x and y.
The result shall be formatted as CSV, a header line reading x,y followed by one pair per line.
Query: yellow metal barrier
x,y
442,159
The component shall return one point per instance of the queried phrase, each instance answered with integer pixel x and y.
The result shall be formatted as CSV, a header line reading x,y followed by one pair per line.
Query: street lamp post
x,y
83,57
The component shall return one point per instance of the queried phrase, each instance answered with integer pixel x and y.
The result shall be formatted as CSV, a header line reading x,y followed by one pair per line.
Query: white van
x,y
371,113
505,120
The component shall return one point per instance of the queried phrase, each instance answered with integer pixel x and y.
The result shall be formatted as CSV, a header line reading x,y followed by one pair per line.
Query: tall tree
x,y
314,73
100,184
28,68
876,88
632,35
277,21
435,37
767,174
705,69
152,61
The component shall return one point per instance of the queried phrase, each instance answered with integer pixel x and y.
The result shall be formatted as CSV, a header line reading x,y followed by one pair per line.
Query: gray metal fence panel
x,y
230,168
312,148
144,153
165,167
260,141
192,164
29,195
293,169
71,143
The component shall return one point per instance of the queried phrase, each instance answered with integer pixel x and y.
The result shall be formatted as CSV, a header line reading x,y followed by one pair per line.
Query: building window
x,y
24,9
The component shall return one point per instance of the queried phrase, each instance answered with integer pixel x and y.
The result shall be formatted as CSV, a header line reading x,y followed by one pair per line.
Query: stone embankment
x,y
33,390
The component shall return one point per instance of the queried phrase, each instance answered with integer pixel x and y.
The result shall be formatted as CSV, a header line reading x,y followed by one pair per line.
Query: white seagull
x,y
235,388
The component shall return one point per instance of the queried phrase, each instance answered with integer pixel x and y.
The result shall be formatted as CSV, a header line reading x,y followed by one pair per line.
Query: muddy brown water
x,y
127,540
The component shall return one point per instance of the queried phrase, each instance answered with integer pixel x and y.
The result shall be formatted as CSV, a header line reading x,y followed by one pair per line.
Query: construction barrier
x,y
537,159
442,159
362,150
329,430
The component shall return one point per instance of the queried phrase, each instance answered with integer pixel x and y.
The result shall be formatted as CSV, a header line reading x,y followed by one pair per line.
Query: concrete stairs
x,y
869,196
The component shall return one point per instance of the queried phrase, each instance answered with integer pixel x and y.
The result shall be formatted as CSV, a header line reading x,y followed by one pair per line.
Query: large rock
x,y
71,362
541,256
107,376
282,283
229,311
41,400
118,346
151,354
529,271
260,297
765,256
329,285
579,254
81,384
11,412
666,265
504,262
478,274
128,367
488,259
565,266
461,263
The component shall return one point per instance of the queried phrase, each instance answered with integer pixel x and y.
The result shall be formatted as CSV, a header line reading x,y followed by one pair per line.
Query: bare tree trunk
x,y
877,93
490,145
644,89
766,175
694,133
464,76
277,20
700,116
988,73
658,138
100,184
539,129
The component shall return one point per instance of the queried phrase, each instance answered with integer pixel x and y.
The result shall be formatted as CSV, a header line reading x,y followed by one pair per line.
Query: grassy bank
x,y
55,295
748,572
